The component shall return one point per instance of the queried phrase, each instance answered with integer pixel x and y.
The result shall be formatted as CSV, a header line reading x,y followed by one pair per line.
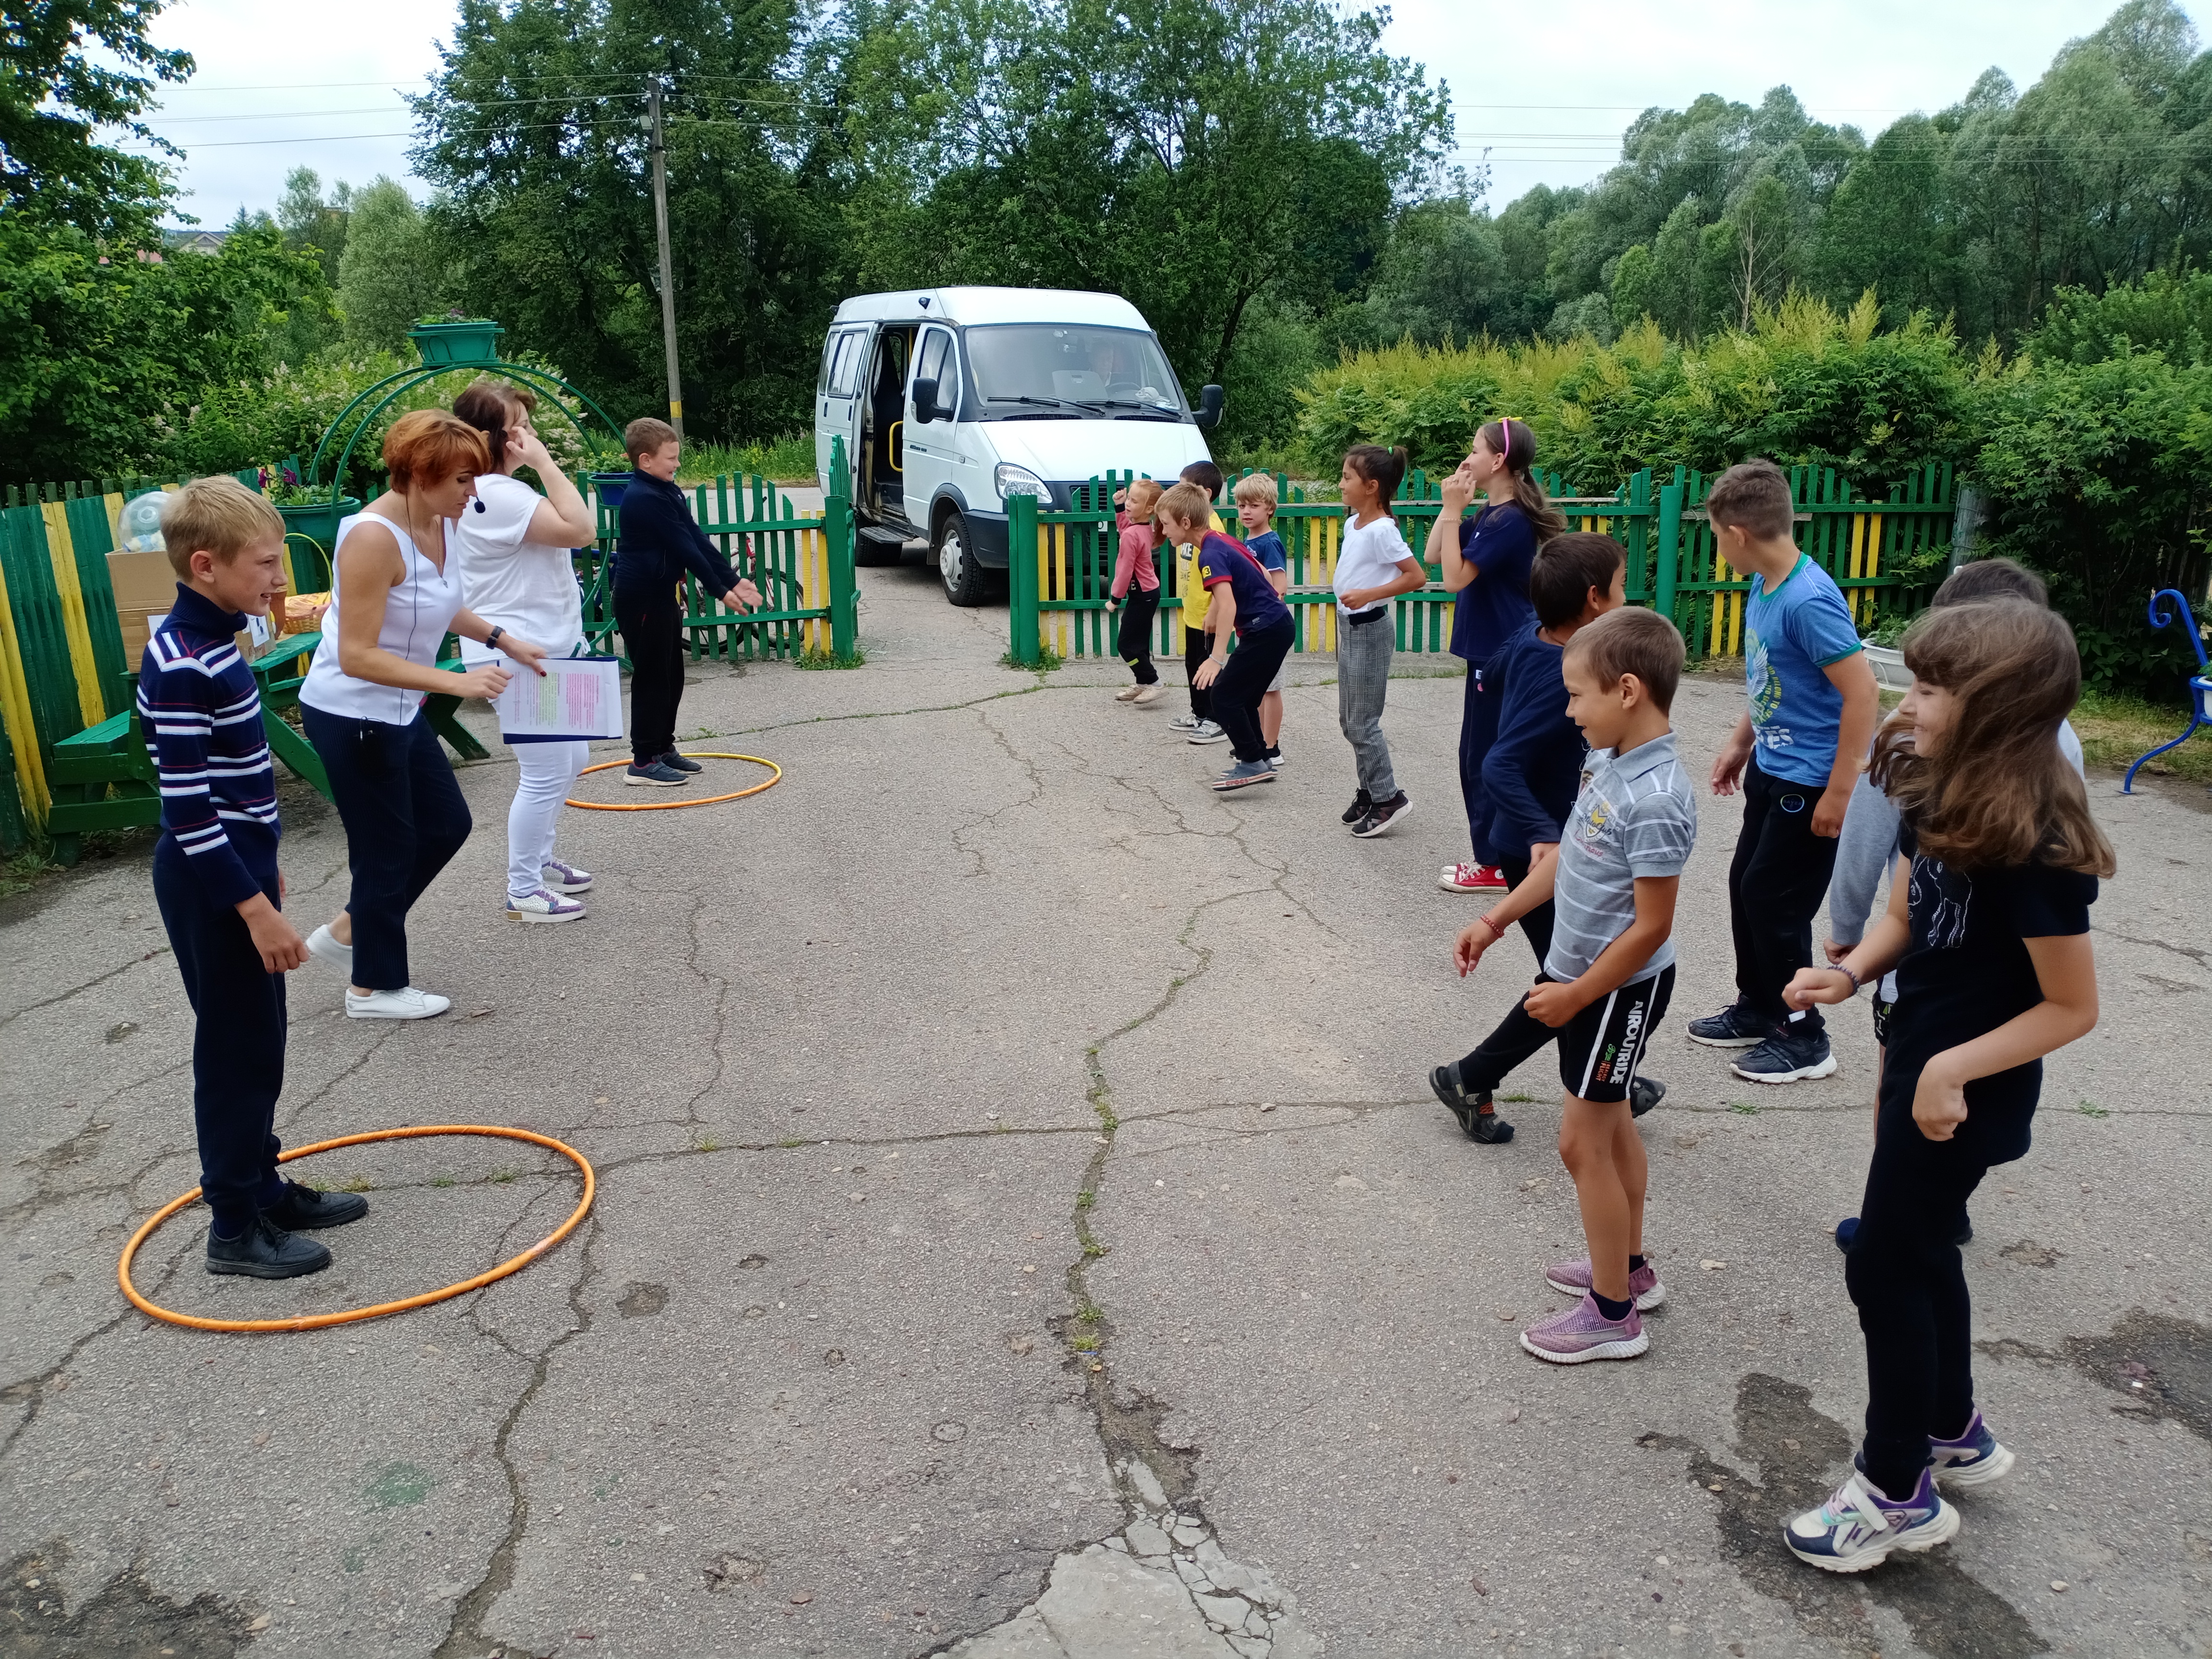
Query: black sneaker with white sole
x,y
655,775
1382,815
1362,805
1477,1118
1734,1027
676,762
1787,1057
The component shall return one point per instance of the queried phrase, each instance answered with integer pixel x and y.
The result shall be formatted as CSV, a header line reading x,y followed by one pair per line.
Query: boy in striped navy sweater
x,y
215,875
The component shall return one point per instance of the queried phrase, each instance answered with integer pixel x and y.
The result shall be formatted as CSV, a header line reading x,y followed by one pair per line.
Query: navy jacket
x,y
657,539
1534,771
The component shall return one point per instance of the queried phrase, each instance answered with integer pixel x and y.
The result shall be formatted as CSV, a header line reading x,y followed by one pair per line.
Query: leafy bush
x,y
1803,385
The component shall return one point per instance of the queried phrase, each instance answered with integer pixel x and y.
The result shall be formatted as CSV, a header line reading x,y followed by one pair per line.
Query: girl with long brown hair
x,y
1486,561
1988,929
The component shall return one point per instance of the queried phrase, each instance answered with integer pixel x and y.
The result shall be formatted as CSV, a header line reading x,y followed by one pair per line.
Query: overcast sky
x,y
1546,90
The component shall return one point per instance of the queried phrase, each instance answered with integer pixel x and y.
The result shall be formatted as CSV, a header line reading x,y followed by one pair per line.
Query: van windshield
x,y
1116,371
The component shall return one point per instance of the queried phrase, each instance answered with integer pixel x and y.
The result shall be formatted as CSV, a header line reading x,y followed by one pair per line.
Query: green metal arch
x,y
407,379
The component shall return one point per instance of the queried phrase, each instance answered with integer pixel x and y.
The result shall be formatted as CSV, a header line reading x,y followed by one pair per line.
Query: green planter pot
x,y
318,521
475,342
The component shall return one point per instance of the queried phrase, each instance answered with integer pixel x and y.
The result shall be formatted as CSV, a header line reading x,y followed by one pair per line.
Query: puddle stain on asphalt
x,y
1800,1453
126,1617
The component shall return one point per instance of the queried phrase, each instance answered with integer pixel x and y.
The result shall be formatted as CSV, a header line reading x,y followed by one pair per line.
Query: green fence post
x,y
844,583
1021,579
1667,551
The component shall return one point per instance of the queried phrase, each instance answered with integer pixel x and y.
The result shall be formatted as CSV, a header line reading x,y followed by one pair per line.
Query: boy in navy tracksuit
x,y
1530,777
215,877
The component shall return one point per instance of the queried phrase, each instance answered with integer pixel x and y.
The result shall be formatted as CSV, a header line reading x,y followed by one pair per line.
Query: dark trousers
x,y
404,819
1478,731
1776,883
1905,1275
652,626
238,1043
1518,1036
1236,692
1197,646
1139,611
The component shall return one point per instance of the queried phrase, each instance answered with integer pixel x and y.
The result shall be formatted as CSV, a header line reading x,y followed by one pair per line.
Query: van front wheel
x,y
963,579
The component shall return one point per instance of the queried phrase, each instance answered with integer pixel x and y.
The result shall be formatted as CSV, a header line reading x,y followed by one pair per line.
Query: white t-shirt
x,y
527,587
1369,555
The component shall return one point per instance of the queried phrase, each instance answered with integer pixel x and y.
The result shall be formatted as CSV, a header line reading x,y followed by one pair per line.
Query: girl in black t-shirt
x,y
1988,929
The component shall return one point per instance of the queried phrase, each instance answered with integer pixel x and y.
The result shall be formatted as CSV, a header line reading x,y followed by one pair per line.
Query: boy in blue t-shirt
x,y
1256,498
1795,753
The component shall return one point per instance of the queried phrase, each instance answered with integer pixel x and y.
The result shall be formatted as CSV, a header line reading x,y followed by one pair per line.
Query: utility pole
x,y
660,148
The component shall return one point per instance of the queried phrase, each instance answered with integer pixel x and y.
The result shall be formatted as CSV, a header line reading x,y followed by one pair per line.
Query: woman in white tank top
x,y
395,594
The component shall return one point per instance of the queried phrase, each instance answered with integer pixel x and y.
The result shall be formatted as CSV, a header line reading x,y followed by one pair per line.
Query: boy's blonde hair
x,y
217,515
1187,503
1256,487
1144,494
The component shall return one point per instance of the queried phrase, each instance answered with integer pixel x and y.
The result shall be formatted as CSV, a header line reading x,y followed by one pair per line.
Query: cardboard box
x,y
142,581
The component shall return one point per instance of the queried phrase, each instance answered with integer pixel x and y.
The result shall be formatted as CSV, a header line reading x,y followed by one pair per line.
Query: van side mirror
x,y
1208,413
924,402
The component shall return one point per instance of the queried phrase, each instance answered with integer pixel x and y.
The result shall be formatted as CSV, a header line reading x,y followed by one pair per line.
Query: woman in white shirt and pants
x,y
516,570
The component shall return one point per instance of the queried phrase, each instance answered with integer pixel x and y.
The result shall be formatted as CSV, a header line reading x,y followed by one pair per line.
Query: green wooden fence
x,y
1884,554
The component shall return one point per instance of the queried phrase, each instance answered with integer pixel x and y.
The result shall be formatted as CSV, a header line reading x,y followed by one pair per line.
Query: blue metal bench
x,y
2200,682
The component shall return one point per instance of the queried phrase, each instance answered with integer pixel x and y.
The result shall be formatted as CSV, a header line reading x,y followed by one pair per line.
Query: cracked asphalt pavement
x,y
1023,1229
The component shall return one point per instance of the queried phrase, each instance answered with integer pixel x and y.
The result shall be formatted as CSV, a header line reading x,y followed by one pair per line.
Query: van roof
x,y
994,304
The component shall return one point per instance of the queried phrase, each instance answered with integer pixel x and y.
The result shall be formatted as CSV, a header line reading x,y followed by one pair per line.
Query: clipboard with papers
x,y
576,697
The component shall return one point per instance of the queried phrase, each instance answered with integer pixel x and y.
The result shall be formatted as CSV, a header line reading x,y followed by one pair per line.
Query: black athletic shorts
x,y
1882,1011
1602,1047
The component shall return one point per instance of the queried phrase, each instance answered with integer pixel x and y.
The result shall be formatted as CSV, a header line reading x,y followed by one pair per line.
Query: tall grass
x,y
786,460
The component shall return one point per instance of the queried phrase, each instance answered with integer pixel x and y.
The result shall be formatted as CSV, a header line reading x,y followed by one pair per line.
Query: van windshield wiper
x,y
1050,402
1157,406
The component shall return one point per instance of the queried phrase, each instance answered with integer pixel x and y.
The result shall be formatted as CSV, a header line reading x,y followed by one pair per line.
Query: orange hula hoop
x,y
353,1316
776,778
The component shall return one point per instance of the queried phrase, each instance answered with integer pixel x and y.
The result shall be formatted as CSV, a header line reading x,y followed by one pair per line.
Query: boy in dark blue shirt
x,y
215,877
1530,777
1256,499
657,541
1240,599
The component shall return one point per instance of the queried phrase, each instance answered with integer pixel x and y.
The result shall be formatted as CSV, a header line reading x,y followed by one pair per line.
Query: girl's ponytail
x,y
1516,440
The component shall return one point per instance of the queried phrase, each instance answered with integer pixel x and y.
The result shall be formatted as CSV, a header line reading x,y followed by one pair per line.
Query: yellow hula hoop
x,y
353,1316
775,777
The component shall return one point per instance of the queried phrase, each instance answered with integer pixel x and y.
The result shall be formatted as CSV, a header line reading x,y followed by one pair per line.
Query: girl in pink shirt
x,y
1137,603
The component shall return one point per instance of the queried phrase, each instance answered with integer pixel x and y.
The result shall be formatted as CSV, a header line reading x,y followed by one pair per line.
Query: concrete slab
x,y
1024,1229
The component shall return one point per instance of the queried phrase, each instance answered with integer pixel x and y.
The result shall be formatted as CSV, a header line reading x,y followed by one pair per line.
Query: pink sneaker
x,y
1574,1278
1583,1333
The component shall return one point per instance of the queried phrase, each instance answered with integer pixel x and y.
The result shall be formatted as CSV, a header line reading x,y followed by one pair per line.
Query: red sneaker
x,y
1472,878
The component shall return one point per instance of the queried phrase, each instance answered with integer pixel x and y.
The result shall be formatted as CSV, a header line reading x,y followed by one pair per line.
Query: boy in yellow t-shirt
x,y
1199,725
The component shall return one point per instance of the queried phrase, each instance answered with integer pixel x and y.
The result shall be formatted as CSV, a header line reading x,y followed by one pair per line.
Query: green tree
x,y
391,271
312,224
70,69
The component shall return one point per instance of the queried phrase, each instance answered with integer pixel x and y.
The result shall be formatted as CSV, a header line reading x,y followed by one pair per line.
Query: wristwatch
x,y
492,638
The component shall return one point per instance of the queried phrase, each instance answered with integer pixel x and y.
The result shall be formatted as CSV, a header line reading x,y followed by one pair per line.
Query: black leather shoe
x,y
1644,1093
681,762
303,1208
266,1251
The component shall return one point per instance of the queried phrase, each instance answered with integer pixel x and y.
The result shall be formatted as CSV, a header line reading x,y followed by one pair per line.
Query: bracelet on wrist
x,y
1496,932
1857,984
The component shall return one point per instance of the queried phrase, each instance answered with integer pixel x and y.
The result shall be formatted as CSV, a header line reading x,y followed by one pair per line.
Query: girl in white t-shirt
x,y
512,545
1373,567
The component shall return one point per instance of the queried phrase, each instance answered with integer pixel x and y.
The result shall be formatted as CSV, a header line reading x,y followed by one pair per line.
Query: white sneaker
x,y
1147,695
543,906
560,878
323,946
1127,694
1207,732
410,1004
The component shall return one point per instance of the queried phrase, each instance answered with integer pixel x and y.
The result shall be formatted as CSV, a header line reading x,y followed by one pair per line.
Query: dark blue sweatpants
x,y
1478,731
238,1043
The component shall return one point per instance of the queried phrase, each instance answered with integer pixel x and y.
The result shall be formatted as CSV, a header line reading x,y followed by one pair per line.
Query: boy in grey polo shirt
x,y
1610,971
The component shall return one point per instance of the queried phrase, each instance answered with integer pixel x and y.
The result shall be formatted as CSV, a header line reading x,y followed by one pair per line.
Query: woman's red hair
x,y
430,443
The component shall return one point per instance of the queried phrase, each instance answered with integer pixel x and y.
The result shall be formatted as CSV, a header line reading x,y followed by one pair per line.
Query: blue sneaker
x,y
1974,1459
1846,1230
1859,1525
1245,775
1786,1057
1734,1027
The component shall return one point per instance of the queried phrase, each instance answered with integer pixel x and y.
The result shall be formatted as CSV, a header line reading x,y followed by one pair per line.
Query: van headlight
x,y
1013,480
